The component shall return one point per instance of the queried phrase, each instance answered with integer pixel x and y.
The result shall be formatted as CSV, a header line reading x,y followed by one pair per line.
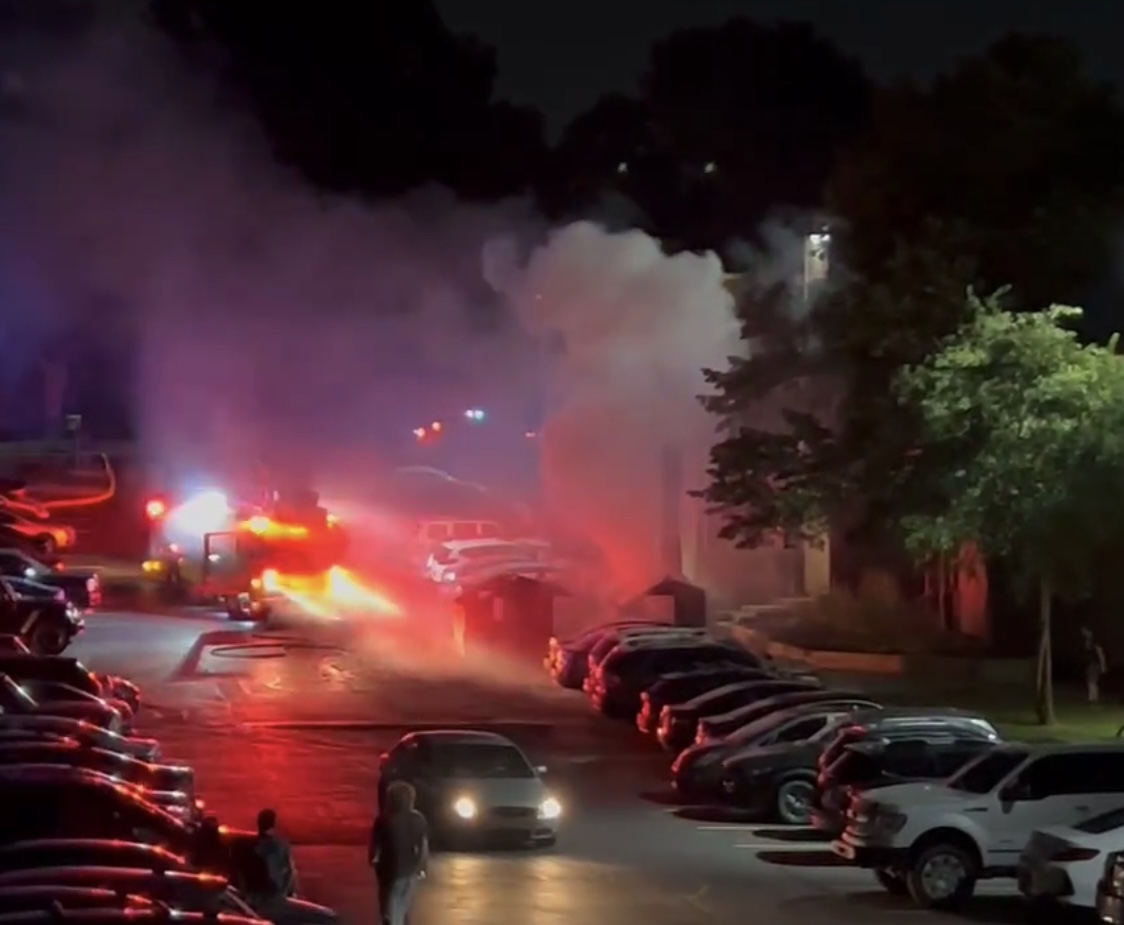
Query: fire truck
x,y
250,559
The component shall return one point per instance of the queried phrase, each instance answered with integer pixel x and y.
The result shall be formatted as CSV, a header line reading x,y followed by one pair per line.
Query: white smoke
x,y
635,328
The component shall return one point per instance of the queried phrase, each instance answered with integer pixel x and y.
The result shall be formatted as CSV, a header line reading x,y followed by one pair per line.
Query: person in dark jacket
x,y
399,852
273,876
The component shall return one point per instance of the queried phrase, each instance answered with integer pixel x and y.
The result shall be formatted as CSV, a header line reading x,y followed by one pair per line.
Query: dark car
x,y
133,915
69,671
59,694
13,724
636,637
862,766
37,897
70,753
33,590
66,802
781,779
15,700
82,586
88,852
717,728
628,671
46,626
568,659
679,686
697,771
679,723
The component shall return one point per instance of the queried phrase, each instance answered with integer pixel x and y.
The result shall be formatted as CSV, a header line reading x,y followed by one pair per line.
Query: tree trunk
x,y
1044,692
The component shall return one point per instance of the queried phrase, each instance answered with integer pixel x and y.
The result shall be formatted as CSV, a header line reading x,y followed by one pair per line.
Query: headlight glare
x,y
550,808
464,808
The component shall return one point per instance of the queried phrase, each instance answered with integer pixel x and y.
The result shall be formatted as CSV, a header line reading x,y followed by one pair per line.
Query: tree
x,y
731,123
1009,168
1021,451
374,98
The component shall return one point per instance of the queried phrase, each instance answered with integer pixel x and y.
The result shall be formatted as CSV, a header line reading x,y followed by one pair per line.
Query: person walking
x,y
1096,665
398,852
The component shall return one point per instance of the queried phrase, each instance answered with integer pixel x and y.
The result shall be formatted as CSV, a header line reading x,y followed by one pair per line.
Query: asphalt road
x,y
297,721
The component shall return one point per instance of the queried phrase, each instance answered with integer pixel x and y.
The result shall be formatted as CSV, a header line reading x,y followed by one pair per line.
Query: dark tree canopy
x,y
373,98
1008,170
731,123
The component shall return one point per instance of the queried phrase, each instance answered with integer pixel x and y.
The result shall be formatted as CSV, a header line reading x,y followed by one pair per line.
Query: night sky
x,y
561,56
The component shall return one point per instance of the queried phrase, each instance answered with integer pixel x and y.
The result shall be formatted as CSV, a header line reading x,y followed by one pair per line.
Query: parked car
x,y
82,586
1064,864
473,786
28,589
70,671
567,661
92,852
679,723
625,674
865,766
64,899
939,839
697,771
680,686
717,728
1110,890
60,802
86,733
46,626
14,699
45,536
647,635
71,753
61,693
158,914
844,769
185,890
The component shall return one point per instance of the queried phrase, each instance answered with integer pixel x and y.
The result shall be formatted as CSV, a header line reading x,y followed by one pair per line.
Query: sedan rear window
x,y
474,761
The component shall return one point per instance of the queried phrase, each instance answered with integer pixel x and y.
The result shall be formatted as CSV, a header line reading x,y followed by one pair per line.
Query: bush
x,y
873,618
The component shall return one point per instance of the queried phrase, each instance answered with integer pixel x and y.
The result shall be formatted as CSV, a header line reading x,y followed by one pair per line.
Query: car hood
x,y
100,714
303,912
770,757
503,791
924,793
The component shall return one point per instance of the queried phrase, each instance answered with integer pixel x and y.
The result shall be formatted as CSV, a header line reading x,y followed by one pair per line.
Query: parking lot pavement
x,y
305,739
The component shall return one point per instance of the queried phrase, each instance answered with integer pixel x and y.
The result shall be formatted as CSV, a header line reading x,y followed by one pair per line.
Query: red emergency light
x,y
155,509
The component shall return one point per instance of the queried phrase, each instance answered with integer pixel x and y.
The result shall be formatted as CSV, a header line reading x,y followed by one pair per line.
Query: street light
x,y
474,414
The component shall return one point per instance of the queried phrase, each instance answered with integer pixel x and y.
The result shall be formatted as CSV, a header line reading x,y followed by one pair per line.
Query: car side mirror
x,y
1015,792
540,769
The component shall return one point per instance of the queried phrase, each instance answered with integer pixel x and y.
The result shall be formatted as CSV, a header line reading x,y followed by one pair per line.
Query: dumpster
x,y
508,614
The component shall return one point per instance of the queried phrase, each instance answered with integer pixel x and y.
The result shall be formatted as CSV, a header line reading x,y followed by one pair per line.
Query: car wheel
x,y
47,637
794,800
942,876
46,544
892,881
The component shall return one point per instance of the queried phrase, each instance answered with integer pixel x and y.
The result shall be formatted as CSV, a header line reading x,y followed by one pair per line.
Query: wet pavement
x,y
297,721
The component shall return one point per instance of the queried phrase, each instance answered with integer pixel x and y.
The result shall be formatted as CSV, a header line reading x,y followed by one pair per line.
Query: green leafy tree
x,y
1010,168
1021,451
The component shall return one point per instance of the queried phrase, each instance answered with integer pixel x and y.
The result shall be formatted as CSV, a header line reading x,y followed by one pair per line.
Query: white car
x,y
1064,863
451,562
935,840
47,536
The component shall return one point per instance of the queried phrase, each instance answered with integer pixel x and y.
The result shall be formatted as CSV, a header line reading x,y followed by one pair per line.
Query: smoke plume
x,y
263,320
624,332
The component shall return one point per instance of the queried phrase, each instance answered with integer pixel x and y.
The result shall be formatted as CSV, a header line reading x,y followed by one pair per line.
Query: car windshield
x,y
474,761
1105,822
760,727
986,773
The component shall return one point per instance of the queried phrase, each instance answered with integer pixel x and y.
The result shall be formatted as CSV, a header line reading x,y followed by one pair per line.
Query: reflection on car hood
x,y
788,755
501,791
308,913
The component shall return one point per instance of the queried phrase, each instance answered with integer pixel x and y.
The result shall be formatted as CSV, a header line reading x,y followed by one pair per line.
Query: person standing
x,y
272,876
398,852
1096,665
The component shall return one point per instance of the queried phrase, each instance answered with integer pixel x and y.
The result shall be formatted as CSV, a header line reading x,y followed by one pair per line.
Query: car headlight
x,y
464,808
550,808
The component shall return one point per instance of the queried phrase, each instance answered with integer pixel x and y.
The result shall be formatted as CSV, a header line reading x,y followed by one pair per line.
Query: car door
x,y
1052,789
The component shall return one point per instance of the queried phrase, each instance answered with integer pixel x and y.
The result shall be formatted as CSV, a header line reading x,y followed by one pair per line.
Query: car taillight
x,y
1074,853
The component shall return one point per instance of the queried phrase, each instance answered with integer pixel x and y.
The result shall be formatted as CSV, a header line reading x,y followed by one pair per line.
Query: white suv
x,y
935,840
